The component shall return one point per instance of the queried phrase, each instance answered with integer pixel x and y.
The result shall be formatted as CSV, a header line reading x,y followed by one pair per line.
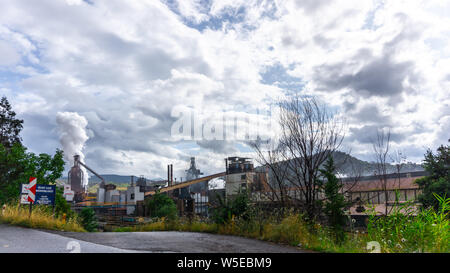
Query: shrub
x,y
161,205
335,202
227,209
61,205
438,180
88,219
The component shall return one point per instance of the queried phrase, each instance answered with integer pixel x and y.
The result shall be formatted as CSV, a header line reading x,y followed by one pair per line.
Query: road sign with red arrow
x,y
32,189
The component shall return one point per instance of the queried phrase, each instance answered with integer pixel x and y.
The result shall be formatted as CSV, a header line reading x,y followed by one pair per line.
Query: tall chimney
x,y
226,166
168,175
171,174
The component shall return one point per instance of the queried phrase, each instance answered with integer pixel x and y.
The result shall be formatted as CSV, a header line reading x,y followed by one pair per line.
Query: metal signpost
x,y
24,195
38,193
32,192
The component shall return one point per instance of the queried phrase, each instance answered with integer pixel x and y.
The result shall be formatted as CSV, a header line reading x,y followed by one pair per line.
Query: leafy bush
x,y
438,180
17,166
61,205
227,209
161,205
88,219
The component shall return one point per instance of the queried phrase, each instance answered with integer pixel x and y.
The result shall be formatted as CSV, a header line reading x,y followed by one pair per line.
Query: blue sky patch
x,y
277,75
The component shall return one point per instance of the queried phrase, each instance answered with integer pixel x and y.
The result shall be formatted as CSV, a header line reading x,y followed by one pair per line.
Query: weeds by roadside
x,y
408,230
41,217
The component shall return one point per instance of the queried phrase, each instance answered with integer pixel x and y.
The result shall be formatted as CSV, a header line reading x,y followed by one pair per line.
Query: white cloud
x,y
9,54
124,65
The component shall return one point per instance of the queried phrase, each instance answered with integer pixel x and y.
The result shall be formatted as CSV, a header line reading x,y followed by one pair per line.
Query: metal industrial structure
x,y
186,184
193,196
194,173
76,176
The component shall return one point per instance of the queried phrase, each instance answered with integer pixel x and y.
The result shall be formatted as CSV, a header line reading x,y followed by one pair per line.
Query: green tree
x,y
335,202
10,126
17,165
88,219
438,180
237,206
61,205
161,205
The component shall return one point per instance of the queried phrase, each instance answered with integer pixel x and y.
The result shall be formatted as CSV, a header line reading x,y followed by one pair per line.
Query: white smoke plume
x,y
73,136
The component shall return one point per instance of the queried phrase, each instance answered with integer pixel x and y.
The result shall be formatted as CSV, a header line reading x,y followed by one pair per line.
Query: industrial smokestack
x,y
168,175
226,166
171,174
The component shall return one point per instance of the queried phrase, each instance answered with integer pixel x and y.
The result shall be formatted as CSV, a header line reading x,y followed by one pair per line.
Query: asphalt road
x,y
24,240
17,239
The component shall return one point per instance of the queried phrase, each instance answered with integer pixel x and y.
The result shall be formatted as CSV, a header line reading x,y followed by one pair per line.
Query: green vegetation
x,y
61,205
438,181
88,219
335,202
237,206
16,164
404,231
41,217
161,205
9,124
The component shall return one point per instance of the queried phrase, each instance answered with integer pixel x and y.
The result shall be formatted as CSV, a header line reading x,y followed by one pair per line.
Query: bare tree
x,y
381,147
309,134
277,172
354,174
399,160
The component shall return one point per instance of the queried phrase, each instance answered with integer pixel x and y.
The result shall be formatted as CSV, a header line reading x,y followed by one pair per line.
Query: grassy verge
x,y
41,217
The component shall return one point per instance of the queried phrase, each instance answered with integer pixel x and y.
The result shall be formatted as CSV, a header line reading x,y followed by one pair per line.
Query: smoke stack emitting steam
x,y
73,136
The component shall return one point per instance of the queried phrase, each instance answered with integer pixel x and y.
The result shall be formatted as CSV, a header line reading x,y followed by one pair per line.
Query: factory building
x,y
240,175
134,194
193,196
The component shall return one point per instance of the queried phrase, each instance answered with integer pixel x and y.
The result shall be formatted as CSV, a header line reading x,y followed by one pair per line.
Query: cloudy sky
x,y
125,65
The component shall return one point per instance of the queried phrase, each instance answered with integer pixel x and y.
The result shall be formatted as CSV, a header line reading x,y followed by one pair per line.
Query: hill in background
x,y
347,165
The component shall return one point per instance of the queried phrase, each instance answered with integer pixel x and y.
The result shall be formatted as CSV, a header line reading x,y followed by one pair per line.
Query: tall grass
x,y
406,230
41,217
